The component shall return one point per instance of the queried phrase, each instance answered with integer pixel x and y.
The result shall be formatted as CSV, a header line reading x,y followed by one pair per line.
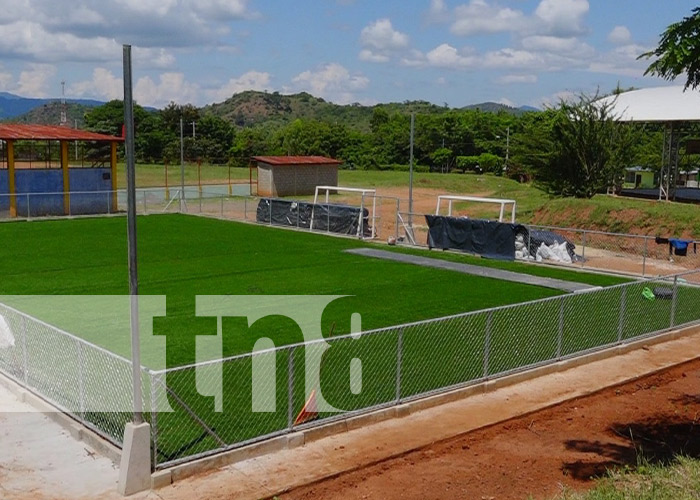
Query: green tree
x,y
678,51
591,149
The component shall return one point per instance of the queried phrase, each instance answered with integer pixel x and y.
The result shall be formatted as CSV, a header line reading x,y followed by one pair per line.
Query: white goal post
x,y
361,191
502,202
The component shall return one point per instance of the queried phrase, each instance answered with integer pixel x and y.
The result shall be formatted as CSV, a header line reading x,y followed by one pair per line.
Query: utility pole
x,y
505,166
135,464
194,134
410,177
63,103
182,165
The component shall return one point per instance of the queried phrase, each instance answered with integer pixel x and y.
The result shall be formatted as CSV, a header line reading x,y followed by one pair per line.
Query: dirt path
x,y
539,454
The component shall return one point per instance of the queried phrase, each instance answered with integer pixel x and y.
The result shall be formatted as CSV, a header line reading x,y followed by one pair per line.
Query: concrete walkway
x,y
40,460
485,272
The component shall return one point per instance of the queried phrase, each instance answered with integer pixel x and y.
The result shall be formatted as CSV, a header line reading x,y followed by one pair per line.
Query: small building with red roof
x,y
38,176
295,175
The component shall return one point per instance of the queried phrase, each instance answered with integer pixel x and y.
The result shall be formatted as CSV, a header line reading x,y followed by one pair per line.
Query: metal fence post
x,y
487,343
560,334
222,206
398,210
399,362
290,388
674,302
644,256
245,208
621,320
583,249
154,416
145,204
25,354
28,211
81,382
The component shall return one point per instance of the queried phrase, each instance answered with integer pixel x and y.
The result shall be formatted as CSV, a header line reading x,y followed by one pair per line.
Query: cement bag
x,y
7,340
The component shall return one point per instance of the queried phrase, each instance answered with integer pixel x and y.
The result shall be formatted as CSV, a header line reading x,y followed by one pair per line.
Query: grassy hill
x,y
50,114
252,108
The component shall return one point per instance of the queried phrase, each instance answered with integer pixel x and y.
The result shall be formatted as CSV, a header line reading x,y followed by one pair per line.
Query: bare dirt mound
x,y
565,446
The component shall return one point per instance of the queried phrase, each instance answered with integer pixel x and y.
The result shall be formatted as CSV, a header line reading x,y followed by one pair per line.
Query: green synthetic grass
x,y
183,256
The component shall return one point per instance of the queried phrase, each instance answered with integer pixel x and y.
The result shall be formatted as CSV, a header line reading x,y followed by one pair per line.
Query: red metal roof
x,y
297,160
18,131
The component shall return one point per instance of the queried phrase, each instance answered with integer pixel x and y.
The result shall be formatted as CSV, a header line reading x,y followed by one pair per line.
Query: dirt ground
x,y
566,446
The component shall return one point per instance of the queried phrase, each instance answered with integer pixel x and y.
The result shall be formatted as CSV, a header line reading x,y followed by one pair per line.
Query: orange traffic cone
x,y
309,412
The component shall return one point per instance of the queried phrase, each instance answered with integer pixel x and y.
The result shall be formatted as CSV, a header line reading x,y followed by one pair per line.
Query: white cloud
x,y
369,56
620,35
90,30
517,79
380,39
621,61
103,85
562,18
35,80
558,45
331,81
252,80
446,56
170,87
512,58
479,17
438,12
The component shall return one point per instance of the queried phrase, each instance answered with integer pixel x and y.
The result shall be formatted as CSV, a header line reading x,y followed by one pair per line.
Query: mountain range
x,y
243,109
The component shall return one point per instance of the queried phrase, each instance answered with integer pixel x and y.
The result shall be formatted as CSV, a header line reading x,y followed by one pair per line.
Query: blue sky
x,y
459,52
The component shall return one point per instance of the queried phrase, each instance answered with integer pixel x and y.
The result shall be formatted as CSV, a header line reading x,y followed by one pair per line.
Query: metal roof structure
x,y
18,131
297,160
656,104
671,106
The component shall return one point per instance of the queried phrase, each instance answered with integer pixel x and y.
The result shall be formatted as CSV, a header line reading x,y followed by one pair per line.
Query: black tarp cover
x,y
491,239
341,219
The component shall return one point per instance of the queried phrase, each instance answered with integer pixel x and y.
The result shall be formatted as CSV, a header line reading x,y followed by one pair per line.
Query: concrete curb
x,y
304,436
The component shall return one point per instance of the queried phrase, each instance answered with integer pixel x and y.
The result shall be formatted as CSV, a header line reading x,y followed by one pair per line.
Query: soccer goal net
x,y
365,197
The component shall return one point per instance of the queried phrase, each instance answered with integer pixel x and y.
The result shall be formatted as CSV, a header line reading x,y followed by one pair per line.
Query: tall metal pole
x,y
182,165
410,177
505,167
131,233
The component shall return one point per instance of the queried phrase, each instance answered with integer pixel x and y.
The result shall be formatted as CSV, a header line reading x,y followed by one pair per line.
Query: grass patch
x,y
679,480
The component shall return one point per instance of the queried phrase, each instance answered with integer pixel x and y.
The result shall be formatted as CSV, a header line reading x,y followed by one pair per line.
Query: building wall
x,y
36,188
294,180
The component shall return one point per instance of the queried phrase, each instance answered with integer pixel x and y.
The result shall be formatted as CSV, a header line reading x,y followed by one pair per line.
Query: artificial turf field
x,y
184,256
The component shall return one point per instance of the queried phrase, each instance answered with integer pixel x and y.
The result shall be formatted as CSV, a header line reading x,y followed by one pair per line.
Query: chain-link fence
x,y
89,383
263,392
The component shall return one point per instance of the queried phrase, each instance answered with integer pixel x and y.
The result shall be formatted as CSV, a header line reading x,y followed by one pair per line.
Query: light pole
x,y
505,165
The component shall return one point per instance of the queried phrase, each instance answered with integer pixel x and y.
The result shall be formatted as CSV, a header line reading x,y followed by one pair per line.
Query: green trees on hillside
x,y
572,149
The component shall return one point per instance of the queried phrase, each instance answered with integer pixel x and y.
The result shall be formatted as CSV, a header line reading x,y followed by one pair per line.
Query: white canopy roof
x,y
657,104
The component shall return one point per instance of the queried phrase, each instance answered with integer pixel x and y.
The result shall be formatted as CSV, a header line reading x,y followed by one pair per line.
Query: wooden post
x,y
66,177
113,168
11,182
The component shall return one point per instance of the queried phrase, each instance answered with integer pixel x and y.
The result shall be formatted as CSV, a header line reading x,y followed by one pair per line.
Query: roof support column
x,y
113,168
11,181
66,177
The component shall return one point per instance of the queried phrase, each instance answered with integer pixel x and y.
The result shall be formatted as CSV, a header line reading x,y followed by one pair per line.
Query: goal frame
x,y
499,201
361,191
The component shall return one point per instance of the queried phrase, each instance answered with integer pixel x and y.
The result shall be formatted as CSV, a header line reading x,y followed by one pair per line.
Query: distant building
x,y
294,175
641,178
688,178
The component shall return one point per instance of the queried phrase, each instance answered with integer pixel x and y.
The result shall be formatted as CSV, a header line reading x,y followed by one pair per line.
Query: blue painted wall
x,y
35,188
